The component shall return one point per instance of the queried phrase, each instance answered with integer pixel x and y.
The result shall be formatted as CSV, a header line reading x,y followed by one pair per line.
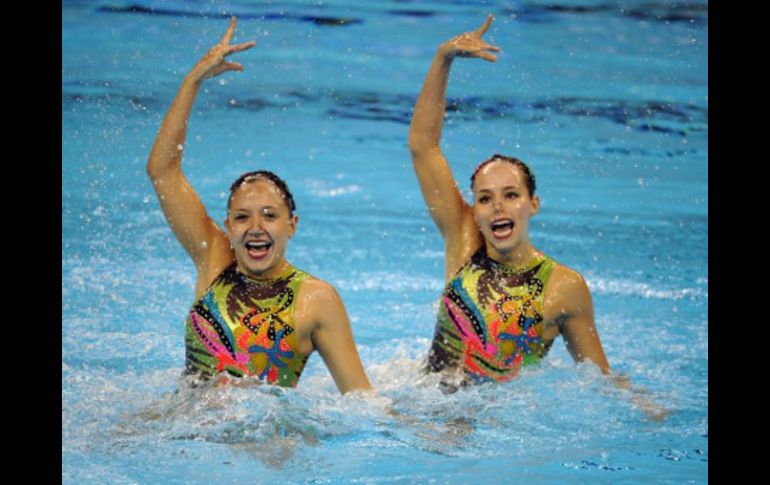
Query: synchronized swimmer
x,y
505,301
254,313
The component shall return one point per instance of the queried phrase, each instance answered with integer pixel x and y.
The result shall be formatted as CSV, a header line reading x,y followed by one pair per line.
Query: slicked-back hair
x,y
264,174
528,175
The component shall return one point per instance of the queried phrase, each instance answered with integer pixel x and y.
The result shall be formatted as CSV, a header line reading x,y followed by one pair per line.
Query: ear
x,y
535,204
293,225
227,232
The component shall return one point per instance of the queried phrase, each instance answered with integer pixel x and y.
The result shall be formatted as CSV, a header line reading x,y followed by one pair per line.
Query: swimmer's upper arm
x,y
333,337
459,248
439,189
185,213
449,211
571,298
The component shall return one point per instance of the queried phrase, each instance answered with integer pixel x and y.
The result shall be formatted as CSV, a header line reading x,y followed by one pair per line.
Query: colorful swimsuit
x,y
490,319
246,327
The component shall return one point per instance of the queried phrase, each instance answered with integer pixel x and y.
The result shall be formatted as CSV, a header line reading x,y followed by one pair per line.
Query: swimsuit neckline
x,y
283,275
511,269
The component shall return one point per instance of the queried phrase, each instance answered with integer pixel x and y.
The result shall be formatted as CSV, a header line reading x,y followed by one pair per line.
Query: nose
x,y
255,226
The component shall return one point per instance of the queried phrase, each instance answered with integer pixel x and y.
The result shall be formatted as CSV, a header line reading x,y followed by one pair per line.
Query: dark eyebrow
x,y
242,209
508,187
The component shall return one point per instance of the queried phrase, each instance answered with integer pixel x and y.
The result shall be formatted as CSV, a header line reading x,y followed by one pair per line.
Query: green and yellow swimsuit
x,y
246,327
490,319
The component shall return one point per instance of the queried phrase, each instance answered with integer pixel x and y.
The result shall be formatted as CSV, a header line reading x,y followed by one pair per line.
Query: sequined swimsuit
x,y
490,319
246,327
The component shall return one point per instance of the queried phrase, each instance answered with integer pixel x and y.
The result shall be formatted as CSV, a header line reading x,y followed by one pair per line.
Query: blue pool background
x,y
607,101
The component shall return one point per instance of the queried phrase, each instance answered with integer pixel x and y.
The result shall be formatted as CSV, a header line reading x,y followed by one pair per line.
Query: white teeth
x,y
502,225
258,245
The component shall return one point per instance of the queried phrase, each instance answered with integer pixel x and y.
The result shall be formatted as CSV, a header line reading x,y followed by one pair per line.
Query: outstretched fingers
x,y
488,57
490,48
486,49
233,66
241,47
229,36
230,31
483,29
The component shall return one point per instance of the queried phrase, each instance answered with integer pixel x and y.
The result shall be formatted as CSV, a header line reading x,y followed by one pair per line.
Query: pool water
x,y
607,102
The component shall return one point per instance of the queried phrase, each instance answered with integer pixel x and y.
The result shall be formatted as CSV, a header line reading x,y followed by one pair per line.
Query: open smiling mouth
x,y
502,228
258,249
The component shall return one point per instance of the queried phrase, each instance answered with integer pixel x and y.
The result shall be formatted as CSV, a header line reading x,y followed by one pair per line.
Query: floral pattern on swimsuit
x,y
490,319
246,328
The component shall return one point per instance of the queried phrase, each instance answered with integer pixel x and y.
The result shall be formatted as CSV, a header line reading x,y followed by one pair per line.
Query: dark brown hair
x,y
266,174
528,175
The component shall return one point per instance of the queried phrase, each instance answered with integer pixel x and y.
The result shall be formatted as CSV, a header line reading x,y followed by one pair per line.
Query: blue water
x,y
608,103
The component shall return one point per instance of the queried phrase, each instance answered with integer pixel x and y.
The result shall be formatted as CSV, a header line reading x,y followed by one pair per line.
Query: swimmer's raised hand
x,y
214,63
470,44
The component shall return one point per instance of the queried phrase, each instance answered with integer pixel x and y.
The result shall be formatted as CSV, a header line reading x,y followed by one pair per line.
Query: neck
x,y
516,257
269,274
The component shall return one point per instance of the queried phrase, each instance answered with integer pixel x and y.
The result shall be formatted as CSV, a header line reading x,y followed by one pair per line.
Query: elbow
x,y
152,169
420,145
155,171
414,144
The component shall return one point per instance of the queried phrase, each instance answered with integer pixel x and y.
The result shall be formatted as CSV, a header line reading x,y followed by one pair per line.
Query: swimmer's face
x,y
502,206
259,226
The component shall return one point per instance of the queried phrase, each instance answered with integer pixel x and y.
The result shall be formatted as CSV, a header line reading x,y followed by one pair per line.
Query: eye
x,y
511,195
484,199
241,217
270,216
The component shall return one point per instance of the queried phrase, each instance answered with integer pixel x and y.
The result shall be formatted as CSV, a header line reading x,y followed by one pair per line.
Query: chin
x,y
263,268
505,246
255,268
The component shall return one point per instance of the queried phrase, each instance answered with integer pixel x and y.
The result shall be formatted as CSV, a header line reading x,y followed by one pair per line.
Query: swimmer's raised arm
x,y
184,211
445,202
332,336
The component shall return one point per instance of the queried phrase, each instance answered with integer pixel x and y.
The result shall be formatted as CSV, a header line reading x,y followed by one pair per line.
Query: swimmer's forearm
x,y
169,144
350,376
428,118
640,398
365,387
